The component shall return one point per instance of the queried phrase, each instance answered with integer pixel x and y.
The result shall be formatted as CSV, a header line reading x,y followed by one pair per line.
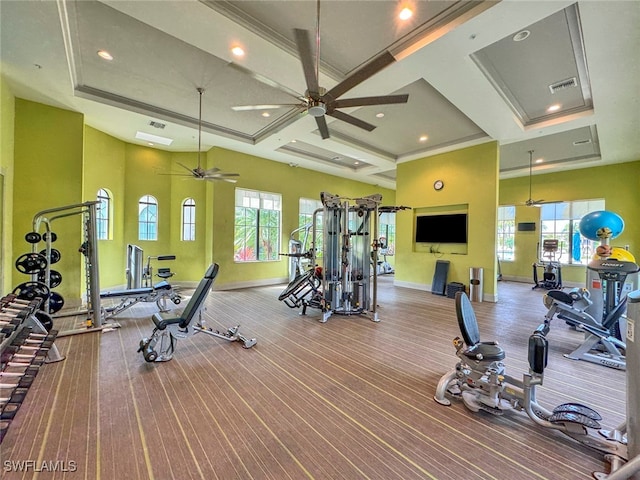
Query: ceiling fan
x,y
199,172
531,202
319,102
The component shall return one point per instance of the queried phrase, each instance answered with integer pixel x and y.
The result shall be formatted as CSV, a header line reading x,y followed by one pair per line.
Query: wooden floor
x,y
348,399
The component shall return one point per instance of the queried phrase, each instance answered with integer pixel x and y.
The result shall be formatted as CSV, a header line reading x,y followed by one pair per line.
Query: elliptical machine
x,y
480,380
551,268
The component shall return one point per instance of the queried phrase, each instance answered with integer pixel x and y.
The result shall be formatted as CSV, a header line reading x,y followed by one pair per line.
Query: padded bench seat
x,y
136,292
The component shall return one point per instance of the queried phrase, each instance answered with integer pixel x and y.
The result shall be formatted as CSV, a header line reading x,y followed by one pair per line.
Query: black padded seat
x,y
132,292
477,350
137,292
560,296
163,319
164,273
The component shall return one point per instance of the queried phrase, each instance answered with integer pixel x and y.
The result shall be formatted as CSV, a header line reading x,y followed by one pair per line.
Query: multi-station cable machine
x,y
346,284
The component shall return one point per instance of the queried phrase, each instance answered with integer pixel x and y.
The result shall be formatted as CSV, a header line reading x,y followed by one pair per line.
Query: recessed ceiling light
x,y
380,115
148,137
105,55
520,36
405,14
539,160
238,51
553,108
423,138
356,163
293,141
150,144
266,114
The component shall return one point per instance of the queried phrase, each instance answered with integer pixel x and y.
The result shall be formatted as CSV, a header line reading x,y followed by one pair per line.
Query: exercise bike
x,y
603,343
480,380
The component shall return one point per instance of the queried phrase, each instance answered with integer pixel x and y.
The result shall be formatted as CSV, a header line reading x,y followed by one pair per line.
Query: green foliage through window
x,y
256,226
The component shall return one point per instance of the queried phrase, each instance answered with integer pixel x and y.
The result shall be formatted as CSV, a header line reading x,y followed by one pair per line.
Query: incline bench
x,y
159,293
169,326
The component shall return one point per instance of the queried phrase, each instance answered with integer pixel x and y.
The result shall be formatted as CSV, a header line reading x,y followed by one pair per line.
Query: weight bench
x,y
160,293
169,327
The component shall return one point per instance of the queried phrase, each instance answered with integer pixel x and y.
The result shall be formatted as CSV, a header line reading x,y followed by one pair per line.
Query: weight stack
x,y
454,287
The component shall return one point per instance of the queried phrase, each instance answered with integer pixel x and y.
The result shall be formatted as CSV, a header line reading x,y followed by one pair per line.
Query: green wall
x,y
275,177
44,166
470,177
618,184
7,120
104,167
48,173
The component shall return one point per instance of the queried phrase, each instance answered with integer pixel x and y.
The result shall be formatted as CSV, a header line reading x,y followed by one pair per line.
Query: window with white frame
x,y
506,237
103,215
257,226
147,218
560,221
305,218
387,231
189,220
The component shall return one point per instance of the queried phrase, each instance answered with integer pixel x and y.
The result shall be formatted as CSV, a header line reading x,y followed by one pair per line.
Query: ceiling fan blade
x,y
245,108
322,126
352,120
306,57
185,167
222,175
216,179
211,171
267,81
361,75
363,101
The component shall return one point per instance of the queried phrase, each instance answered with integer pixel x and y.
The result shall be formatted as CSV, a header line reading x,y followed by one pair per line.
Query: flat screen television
x,y
451,228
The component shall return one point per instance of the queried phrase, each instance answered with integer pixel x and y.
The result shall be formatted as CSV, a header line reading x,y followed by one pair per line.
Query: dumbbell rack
x,y
25,345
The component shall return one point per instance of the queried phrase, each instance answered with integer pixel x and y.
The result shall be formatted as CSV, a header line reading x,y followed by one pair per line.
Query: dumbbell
x,y
9,411
16,380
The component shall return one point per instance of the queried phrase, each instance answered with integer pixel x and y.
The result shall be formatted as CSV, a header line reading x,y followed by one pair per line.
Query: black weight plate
x,y
45,236
32,237
31,290
55,278
31,263
45,319
56,302
55,255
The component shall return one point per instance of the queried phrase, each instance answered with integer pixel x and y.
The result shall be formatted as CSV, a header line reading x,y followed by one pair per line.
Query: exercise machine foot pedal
x,y
578,408
570,417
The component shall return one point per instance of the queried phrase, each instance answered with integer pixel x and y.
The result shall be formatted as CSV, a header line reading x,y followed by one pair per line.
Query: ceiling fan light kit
x,y
317,101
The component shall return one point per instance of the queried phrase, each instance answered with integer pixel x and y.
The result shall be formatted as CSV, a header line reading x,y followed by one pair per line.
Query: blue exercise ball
x,y
600,225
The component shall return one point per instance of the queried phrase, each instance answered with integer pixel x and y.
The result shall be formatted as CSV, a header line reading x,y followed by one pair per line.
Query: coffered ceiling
x,y
474,72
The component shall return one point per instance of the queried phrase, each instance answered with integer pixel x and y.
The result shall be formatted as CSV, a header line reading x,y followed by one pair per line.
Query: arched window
x,y
148,218
103,215
189,220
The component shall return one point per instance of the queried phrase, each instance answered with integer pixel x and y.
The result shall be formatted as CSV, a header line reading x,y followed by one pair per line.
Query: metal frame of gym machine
x,y
92,274
347,255
631,469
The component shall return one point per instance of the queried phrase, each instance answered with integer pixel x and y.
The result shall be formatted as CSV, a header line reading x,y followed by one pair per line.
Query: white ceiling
x,y
468,82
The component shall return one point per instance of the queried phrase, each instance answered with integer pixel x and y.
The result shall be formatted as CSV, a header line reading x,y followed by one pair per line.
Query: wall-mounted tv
x,y
451,228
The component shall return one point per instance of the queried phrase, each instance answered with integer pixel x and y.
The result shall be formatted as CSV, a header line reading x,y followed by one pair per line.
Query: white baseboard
x,y
528,280
427,288
252,283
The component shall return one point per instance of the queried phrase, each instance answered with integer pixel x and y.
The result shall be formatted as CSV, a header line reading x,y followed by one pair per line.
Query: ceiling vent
x,y
562,84
155,124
